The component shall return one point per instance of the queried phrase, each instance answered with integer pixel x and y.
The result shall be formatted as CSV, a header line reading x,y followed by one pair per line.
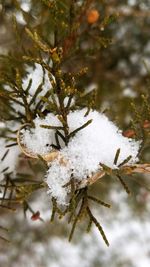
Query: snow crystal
x,y
8,158
96,143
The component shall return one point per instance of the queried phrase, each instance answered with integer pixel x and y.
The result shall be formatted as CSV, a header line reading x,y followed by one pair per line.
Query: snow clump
x,y
94,144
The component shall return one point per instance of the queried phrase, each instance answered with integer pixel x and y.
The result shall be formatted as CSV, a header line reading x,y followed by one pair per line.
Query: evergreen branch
x,y
52,127
123,184
61,136
7,207
89,225
37,92
29,86
82,207
125,161
116,156
38,61
57,140
5,189
97,224
99,201
15,200
80,128
54,209
36,38
5,169
9,97
69,102
42,160
41,100
78,196
10,145
5,154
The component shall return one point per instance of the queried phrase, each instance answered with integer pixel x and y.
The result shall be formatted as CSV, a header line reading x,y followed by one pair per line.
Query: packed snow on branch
x,y
94,144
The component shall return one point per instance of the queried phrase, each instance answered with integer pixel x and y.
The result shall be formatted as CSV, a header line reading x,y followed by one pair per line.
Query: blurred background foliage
x,y
116,48
116,51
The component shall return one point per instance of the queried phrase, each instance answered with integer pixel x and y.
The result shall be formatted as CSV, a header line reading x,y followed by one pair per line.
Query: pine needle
x,y
97,224
116,156
124,184
99,201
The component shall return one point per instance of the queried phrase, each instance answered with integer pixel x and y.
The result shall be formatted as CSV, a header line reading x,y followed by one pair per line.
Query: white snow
x,y
39,139
37,75
57,176
96,143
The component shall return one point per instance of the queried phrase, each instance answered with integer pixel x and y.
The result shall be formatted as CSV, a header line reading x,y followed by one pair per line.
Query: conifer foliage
x,y
52,135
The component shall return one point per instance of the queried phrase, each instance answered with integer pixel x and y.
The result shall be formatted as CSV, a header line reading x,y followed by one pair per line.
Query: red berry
x,y
146,124
92,16
35,216
129,133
